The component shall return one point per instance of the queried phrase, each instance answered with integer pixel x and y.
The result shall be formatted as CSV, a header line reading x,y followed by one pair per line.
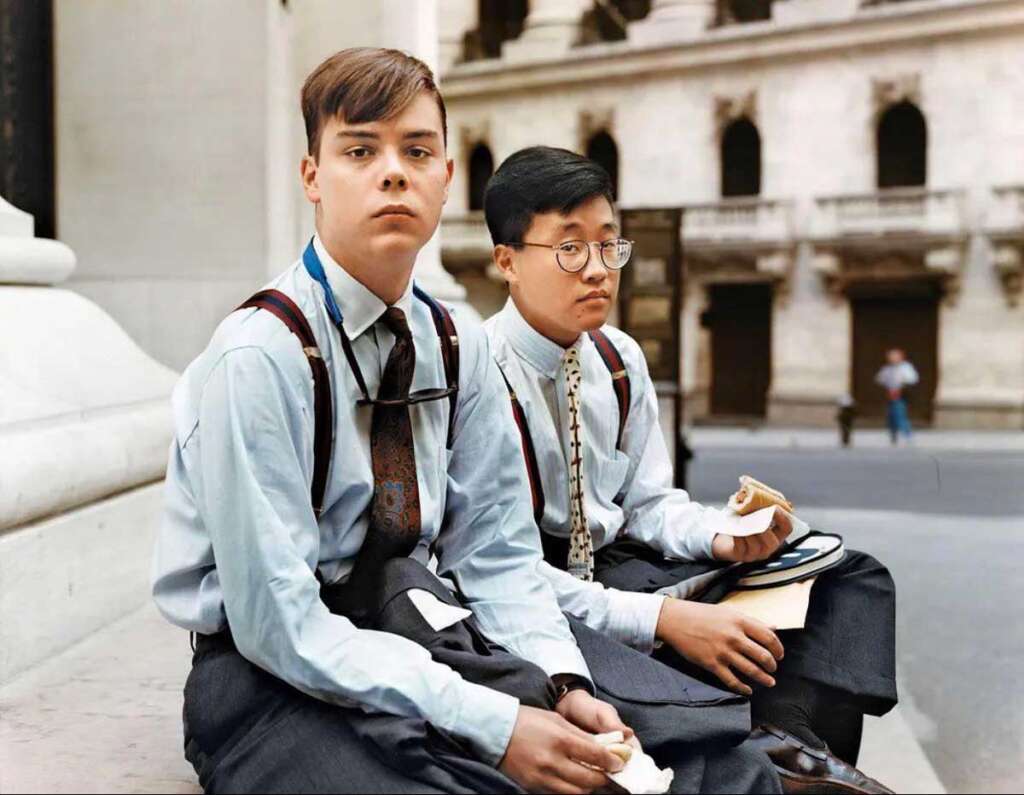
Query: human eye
x,y
419,153
359,152
571,246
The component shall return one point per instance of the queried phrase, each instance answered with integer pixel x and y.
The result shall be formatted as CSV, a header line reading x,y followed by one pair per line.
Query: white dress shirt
x,y
239,544
627,492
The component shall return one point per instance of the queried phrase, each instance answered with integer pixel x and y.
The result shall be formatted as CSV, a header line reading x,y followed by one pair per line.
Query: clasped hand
x,y
556,752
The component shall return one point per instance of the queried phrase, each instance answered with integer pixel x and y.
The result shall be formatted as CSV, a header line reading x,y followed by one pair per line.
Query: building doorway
x,y
880,323
741,160
740,321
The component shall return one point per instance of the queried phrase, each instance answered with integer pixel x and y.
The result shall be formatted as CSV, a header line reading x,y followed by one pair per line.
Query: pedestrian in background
x,y
844,416
895,377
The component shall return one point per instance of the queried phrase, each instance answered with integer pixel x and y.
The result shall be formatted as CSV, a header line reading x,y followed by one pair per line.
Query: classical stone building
x,y
850,174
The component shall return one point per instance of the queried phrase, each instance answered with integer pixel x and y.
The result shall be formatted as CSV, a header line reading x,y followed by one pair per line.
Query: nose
x,y
595,271
394,175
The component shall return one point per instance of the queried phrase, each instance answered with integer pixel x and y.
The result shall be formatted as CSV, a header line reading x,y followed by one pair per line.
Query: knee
x,y
861,564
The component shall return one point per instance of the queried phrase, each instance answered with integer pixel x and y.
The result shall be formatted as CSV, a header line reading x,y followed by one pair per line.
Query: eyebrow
x,y
608,227
372,136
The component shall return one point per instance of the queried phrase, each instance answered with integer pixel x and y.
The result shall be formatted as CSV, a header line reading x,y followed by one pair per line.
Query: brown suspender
x,y
284,309
620,383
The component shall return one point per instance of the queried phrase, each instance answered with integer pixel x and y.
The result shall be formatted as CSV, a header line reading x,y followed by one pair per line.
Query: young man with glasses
x,y
338,433
601,481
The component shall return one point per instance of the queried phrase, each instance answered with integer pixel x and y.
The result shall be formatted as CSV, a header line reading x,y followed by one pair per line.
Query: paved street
x,y
950,525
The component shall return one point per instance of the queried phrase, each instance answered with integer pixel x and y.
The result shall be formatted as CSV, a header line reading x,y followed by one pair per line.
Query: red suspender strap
x,y
449,351
529,454
620,378
284,309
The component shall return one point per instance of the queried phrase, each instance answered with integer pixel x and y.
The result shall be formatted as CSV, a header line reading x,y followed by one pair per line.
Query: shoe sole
x,y
806,785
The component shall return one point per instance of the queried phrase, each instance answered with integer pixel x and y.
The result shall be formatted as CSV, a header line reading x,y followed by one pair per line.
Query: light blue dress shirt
x,y
239,544
627,492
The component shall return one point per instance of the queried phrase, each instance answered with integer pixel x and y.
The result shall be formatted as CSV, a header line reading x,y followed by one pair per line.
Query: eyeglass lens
x,y
573,255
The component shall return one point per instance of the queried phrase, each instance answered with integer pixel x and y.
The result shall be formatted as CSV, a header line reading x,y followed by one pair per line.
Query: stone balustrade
x,y
891,212
738,221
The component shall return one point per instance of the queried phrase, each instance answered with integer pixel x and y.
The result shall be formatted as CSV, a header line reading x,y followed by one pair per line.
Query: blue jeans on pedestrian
x,y
898,419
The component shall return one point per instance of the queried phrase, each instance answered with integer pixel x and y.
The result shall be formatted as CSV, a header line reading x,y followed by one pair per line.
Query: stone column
x,y
672,20
456,18
84,427
551,29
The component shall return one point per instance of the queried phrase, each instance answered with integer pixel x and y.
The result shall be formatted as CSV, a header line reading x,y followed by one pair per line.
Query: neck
x,y
386,278
559,336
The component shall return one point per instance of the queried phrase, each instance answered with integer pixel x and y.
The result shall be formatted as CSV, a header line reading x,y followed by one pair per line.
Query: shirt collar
x,y
359,307
545,355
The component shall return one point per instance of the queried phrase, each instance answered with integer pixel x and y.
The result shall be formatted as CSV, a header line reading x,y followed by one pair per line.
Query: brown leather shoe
x,y
811,770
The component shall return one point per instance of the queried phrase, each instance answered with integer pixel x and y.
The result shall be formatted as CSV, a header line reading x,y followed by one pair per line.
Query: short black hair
x,y
537,180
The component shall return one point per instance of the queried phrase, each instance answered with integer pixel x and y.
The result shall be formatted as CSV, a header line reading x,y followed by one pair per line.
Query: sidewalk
x,y
105,716
870,438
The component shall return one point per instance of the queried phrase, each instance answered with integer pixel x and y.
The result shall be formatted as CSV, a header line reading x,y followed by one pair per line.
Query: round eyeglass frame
x,y
600,245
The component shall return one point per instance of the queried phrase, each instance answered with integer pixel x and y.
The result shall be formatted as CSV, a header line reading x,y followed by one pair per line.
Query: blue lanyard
x,y
316,270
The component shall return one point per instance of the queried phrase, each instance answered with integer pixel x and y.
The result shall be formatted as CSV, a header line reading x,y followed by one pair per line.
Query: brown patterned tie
x,y
394,527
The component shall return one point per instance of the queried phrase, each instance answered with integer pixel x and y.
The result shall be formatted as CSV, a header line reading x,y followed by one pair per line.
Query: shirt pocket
x,y
613,475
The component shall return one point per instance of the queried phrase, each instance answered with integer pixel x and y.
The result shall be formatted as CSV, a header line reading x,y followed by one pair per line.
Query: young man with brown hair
x,y
338,432
603,496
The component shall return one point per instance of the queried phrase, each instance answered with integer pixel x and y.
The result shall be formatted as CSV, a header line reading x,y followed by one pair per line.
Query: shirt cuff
x,y
558,658
486,721
633,618
704,534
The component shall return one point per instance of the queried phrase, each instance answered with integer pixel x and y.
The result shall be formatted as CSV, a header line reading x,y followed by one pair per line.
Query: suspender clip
x,y
312,353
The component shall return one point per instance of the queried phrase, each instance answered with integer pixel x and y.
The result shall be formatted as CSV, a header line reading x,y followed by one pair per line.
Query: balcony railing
x,y
913,212
465,241
738,222
1006,212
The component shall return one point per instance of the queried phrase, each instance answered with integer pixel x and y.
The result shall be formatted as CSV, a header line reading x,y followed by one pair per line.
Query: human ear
x,y
505,262
448,180
308,171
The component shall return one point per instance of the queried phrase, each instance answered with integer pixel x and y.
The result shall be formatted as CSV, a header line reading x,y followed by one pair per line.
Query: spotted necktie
x,y
581,545
395,512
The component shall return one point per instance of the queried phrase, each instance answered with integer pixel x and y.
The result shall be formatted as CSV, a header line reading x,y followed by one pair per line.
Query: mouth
x,y
595,295
393,211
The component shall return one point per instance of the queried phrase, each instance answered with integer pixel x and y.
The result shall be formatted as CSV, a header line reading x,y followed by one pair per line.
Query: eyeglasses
x,y
573,256
420,396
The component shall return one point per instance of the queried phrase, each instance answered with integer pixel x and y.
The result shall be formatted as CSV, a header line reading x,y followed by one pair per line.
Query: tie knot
x,y
394,319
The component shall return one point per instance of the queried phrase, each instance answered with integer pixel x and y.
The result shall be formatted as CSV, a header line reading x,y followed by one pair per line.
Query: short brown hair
x,y
364,84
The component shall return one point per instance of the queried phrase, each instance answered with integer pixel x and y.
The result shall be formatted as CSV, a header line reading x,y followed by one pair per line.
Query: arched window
x,y
481,166
741,159
902,147
607,21
602,148
733,11
500,21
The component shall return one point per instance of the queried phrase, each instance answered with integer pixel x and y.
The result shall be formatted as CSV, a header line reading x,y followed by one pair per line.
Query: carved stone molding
x,y
729,109
888,91
841,270
595,120
1009,264
947,263
474,132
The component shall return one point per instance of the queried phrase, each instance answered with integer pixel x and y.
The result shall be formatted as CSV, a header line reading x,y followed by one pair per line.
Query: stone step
x,y
64,578
105,716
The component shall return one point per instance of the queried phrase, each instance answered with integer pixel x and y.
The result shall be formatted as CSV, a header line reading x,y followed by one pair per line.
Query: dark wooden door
x,y
881,323
740,320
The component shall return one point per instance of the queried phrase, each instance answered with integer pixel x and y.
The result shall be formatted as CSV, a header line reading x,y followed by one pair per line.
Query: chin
x,y
591,320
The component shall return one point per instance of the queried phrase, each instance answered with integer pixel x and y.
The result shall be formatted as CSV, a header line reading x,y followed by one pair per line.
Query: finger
x,y
756,546
783,526
763,635
592,753
759,655
751,670
608,719
571,772
553,783
730,681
